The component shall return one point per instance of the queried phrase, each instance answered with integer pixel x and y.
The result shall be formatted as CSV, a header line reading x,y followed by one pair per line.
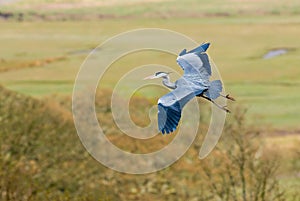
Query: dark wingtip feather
x,y
205,46
202,48
168,119
183,52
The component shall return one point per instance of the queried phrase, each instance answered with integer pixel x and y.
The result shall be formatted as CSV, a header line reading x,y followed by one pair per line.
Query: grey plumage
x,y
194,82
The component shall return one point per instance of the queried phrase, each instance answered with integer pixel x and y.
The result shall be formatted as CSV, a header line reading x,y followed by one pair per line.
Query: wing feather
x,y
195,80
170,107
202,48
196,62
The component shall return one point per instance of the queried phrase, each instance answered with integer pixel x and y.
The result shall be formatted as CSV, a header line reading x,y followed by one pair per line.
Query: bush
x,y
238,170
41,156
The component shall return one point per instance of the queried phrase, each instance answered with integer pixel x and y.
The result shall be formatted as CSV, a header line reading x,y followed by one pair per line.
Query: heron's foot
x,y
222,107
225,109
229,97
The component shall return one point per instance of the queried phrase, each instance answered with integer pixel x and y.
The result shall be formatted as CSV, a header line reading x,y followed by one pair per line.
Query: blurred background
x,y
255,45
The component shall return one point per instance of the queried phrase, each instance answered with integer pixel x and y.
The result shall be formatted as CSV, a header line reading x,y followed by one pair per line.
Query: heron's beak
x,y
150,77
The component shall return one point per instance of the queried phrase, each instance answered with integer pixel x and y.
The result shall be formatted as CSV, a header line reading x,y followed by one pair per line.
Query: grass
x,y
41,55
160,8
268,87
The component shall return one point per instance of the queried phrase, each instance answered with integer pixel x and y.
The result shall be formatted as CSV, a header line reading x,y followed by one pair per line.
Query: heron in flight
x,y
194,83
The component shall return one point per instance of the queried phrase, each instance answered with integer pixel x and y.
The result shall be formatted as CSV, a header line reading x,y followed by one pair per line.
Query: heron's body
x,y
194,82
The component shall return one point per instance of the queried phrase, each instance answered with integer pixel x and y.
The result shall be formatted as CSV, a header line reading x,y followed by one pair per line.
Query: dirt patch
x,y
12,65
281,133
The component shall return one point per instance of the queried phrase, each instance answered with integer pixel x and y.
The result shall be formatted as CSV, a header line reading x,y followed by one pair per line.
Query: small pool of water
x,y
275,53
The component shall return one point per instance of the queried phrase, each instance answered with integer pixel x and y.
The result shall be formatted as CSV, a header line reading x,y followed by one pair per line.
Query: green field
x,y
44,43
267,87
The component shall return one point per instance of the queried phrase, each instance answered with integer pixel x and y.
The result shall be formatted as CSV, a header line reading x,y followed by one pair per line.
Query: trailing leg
x,y
228,97
219,106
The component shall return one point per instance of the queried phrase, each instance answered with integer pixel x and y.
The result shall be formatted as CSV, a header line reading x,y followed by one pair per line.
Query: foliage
x,y
43,43
40,156
42,159
238,170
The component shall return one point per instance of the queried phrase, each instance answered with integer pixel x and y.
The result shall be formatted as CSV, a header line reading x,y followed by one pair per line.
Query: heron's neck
x,y
166,81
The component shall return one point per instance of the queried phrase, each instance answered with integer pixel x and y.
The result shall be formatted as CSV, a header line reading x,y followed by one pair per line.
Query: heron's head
x,y
157,75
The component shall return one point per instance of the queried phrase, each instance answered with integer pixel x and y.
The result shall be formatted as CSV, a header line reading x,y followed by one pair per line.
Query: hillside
x,y
42,157
44,44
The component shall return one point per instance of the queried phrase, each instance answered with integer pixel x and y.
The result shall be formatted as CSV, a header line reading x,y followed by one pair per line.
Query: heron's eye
x,y
158,73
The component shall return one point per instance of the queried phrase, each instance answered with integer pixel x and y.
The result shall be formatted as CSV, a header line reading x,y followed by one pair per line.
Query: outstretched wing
x,y
202,48
195,80
170,107
195,63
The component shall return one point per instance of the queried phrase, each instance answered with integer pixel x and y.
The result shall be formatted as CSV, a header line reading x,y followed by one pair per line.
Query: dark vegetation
x,y
42,158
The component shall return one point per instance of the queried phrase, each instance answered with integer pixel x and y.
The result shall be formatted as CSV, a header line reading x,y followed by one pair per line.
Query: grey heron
x,y
194,83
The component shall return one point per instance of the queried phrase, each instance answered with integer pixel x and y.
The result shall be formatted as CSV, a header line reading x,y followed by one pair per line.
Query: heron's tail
x,y
214,89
